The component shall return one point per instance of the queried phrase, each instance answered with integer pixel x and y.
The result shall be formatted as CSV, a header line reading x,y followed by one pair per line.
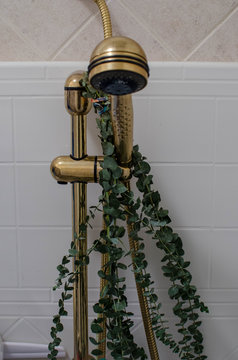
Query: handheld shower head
x,y
118,66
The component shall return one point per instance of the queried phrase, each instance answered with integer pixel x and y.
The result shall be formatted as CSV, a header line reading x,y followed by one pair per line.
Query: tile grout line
x,y
19,34
214,137
70,39
157,38
16,193
19,264
213,31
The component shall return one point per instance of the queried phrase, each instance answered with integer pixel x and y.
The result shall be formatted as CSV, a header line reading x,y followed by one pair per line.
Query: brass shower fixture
x,y
118,67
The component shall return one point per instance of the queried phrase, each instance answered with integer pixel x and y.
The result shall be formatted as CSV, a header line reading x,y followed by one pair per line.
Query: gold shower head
x,y
118,66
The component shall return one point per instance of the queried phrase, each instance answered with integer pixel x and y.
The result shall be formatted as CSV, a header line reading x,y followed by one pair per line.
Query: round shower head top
x,y
118,66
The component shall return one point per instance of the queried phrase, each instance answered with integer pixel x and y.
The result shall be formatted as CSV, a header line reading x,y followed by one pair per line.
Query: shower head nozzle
x,y
118,66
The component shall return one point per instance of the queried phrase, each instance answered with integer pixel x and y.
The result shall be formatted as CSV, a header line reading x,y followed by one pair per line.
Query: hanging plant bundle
x,y
142,214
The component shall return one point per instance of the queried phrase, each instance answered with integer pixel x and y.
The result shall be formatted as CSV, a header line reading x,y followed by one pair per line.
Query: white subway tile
x,y
41,200
6,323
62,69
226,196
165,70
176,130
7,195
186,191
197,247
219,295
42,128
226,131
23,330
191,88
6,138
224,259
21,70
30,309
41,251
8,259
16,295
210,71
220,337
30,87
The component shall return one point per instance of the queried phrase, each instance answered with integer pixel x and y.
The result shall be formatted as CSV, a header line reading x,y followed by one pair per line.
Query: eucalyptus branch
x,y
113,302
175,268
142,214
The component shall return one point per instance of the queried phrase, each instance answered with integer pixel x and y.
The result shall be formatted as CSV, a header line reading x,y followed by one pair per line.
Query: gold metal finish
x,y
144,307
122,123
66,169
106,19
75,103
119,54
78,107
80,298
119,45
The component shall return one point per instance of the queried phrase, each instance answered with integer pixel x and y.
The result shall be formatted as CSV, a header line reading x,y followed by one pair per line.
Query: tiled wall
x,y
186,124
169,30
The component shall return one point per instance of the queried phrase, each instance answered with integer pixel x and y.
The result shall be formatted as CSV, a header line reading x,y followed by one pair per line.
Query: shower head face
x,y
118,66
118,82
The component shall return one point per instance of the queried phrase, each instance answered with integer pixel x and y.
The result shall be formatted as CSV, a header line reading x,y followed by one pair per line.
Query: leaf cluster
x,y
143,214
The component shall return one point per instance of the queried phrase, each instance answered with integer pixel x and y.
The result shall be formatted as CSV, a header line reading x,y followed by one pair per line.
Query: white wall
x,y
186,124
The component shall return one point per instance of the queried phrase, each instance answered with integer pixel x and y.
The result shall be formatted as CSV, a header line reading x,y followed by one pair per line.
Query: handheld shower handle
x,y
122,123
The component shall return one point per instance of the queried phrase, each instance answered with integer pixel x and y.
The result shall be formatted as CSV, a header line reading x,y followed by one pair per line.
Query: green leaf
x,y
101,274
106,186
173,291
121,266
59,327
68,296
117,173
96,328
93,341
97,309
105,174
108,148
119,188
118,306
56,319
109,163
73,252
97,352
104,291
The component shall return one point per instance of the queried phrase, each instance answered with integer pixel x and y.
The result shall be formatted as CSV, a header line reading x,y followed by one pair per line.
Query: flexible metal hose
x,y
144,306
106,19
